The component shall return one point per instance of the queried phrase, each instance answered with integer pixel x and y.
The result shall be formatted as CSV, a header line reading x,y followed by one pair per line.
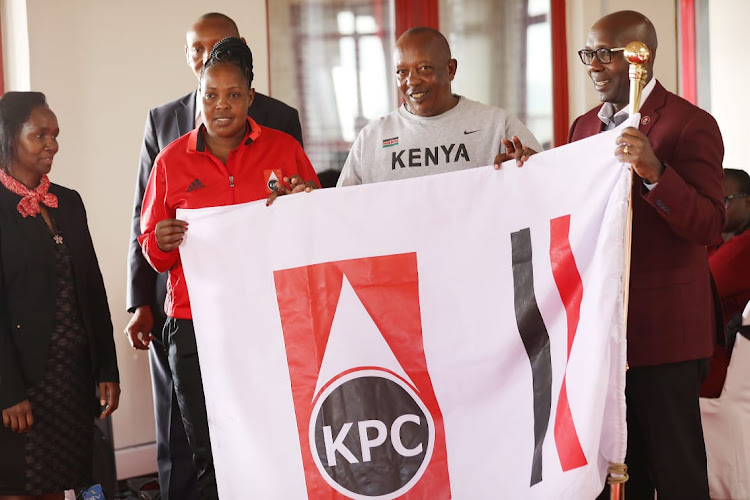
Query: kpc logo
x,y
388,436
272,179
369,423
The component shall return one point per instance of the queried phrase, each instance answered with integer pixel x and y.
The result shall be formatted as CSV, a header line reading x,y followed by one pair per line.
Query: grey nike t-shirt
x,y
401,145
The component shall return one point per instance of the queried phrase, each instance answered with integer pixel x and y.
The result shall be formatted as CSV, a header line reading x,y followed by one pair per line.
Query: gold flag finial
x,y
636,53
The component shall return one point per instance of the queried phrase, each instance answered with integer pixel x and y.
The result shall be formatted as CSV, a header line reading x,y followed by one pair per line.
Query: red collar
x,y
197,143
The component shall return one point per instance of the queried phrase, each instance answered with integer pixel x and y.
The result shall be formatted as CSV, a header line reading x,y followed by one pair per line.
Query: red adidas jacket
x,y
187,175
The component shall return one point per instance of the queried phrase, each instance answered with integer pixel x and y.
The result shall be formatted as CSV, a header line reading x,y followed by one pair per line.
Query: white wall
x,y
102,66
582,14
729,76
15,43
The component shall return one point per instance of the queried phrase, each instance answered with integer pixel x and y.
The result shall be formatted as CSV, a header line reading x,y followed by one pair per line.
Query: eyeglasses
x,y
604,55
729,198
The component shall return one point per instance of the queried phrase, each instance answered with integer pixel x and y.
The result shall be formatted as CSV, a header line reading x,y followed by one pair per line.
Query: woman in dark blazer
x,y
56,340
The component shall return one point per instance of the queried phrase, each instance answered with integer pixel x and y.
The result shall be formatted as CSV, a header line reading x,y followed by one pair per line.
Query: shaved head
x,y
427,37
627,26
217,18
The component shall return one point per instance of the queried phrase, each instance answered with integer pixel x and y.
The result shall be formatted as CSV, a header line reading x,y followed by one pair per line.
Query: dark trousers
x,y
179,337
666,452
173,454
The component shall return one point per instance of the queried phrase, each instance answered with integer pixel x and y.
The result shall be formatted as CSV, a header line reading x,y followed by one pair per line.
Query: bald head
x,y
424,71
203,35
426,37
627,26
219,19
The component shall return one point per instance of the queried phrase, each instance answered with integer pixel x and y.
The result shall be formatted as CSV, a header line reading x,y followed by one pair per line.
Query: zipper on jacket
x,y
231,188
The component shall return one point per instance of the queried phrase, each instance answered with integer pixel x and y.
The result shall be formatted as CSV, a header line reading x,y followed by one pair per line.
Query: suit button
x,y
663,207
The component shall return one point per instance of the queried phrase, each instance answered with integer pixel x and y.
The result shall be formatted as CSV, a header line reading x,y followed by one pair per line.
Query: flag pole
x,y
636,53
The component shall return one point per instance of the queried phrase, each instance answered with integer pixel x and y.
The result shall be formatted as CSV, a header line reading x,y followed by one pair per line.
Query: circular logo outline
x,y
336,382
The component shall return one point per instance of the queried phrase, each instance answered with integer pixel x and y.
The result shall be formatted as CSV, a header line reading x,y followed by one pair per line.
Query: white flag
x,y
450,336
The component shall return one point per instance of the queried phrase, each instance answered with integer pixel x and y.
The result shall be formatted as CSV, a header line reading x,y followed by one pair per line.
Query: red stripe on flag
x,y
570,286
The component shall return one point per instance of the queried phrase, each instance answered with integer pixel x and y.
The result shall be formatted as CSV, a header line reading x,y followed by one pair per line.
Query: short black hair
x,y
740,177
232,50
15,110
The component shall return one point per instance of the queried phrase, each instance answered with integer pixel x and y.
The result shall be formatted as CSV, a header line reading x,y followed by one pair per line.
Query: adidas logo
x,y
196,184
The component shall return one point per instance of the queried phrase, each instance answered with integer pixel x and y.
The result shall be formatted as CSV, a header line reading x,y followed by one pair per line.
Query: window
x,y
342,70
504,57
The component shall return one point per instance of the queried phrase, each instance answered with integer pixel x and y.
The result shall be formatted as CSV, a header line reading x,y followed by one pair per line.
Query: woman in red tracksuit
x,y
229,159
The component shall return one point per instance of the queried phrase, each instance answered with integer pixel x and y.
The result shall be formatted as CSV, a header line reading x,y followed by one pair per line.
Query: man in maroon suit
x,y
677,157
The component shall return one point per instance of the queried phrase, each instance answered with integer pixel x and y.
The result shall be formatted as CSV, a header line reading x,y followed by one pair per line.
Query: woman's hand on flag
x,y
291,185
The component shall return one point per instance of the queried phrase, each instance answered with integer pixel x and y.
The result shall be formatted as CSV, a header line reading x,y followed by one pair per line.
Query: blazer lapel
x,y
72,228
185,115
8,199
60,216
586,125
592,126
28,236
650,109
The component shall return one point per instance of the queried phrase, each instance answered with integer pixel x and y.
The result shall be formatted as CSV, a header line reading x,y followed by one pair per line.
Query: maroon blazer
x,y
672,316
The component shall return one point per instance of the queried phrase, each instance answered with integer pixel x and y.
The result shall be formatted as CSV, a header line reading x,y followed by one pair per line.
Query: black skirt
x,y
56,454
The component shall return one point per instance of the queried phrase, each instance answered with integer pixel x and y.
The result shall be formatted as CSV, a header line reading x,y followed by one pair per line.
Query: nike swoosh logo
x,y
467,132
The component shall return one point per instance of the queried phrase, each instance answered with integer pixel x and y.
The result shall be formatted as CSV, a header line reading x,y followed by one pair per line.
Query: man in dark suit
x,y
677,210
147,289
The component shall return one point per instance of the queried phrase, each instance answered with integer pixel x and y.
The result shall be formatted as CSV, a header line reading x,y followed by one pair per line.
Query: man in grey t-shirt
x,y
434,131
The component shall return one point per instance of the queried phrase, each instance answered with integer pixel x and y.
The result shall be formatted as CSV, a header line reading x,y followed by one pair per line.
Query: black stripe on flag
x,y
536,341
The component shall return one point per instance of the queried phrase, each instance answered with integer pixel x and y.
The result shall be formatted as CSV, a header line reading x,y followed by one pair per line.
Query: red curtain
x,y
687,55
560,119
411,13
